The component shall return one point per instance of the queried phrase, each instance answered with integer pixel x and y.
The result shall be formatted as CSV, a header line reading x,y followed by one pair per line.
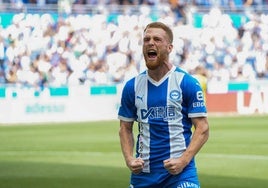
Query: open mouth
x,y
152,54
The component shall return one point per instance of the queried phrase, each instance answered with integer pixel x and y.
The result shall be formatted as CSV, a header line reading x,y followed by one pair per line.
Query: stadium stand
x,y
88,43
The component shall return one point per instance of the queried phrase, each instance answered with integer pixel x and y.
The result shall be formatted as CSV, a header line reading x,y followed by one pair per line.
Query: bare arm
x,y
127,147
200,136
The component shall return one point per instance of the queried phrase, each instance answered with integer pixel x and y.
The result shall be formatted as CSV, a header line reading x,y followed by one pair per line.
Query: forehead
x,y
154,32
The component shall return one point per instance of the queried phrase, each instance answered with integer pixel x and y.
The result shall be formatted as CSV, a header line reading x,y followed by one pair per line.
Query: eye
x,y
157,39
146,39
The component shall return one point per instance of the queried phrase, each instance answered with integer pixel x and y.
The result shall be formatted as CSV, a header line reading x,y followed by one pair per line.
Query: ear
x,y
170,48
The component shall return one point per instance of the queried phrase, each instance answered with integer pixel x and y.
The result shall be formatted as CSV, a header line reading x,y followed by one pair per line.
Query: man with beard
x,y
166,102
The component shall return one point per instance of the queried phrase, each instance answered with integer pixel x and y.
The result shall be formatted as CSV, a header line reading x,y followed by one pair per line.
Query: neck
x,y
160,72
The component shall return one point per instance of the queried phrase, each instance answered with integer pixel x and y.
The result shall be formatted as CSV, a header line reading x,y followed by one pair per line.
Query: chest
x,y
158,101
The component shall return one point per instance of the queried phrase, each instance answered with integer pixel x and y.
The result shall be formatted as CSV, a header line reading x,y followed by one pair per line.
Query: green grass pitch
x,y
78,155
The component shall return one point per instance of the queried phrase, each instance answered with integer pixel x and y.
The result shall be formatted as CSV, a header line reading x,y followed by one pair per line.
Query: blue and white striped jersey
x,y
163,110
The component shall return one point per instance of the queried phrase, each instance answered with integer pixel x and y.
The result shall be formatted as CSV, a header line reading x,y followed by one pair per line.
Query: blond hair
x,y
162,26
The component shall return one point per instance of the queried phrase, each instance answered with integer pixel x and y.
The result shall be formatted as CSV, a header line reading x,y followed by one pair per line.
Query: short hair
x,y
162,26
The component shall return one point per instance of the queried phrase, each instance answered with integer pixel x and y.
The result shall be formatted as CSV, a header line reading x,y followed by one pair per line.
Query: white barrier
x,y
78,105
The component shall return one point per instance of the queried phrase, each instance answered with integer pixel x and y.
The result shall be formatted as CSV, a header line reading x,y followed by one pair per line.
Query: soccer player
x,y
166,102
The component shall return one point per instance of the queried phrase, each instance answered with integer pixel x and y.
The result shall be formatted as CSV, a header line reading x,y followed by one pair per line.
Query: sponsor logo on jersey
x,y
200,98
164,112
188,185
140,98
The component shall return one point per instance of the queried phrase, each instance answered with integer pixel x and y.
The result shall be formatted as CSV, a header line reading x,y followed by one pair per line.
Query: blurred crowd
x,y
148,2
39,51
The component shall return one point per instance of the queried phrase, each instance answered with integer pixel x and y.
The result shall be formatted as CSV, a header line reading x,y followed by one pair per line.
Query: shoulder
x,y
187,77
131,83
134,80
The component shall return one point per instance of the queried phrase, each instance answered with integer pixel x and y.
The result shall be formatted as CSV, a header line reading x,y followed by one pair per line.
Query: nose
x,y
151,42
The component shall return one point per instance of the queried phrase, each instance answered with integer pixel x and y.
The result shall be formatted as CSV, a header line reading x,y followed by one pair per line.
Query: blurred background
x,y
68,60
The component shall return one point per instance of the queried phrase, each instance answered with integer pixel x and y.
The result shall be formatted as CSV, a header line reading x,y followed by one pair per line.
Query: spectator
x,y
63,51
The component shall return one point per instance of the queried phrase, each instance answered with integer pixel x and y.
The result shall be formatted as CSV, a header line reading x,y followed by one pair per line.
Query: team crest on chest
x,y
175,95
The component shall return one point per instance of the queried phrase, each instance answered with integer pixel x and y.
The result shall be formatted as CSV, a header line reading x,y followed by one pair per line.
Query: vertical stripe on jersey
x,y
143,144
177,140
